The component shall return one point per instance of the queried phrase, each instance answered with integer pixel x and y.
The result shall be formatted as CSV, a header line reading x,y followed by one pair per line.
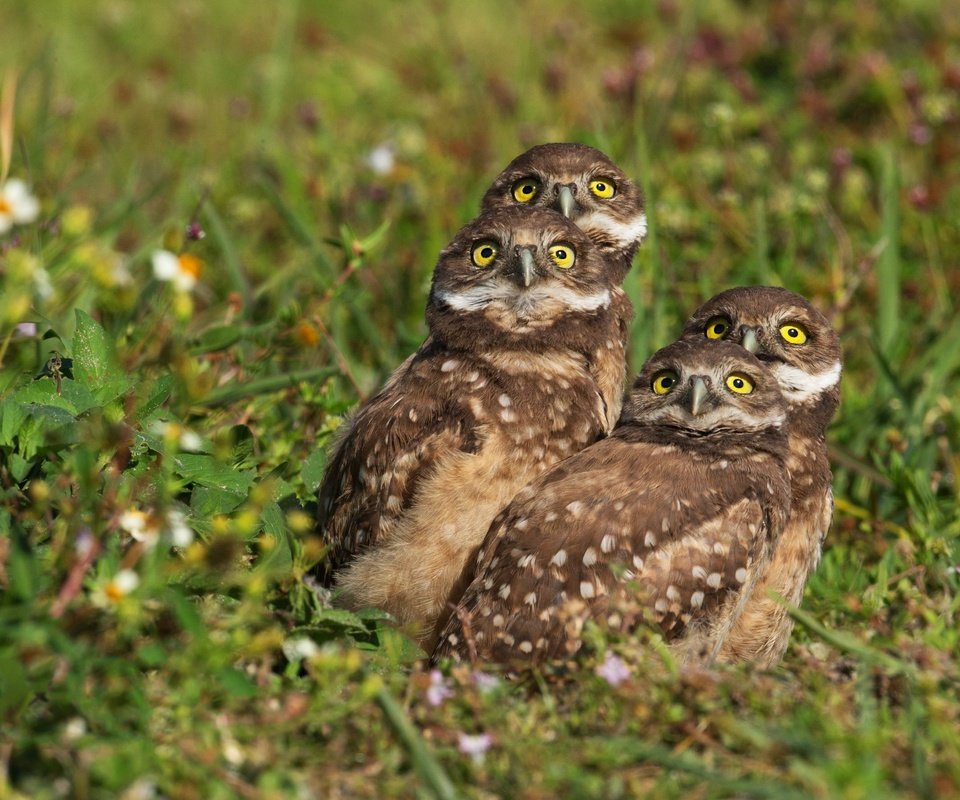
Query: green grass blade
x,y
427,767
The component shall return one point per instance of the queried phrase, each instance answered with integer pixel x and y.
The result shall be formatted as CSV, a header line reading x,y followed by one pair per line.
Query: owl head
x,y
794,340
693,390
585,186
519,278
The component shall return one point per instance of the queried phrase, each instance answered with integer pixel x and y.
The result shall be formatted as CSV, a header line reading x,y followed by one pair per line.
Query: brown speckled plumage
x,y
676,509
616,225
501,390
809,376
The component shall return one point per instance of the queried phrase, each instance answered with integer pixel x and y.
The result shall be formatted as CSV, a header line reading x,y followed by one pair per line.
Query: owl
x,y
802,351
589,189
678,510
501,390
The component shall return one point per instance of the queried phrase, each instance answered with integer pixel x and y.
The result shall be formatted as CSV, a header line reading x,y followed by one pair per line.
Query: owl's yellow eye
x,y
525,189
664,381
562,255
603,189
739,384
793,333
484,253
717,328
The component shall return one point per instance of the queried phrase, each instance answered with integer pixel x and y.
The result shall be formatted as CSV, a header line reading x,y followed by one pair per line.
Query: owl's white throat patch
x,y
717,419
798,386
523,301
622,233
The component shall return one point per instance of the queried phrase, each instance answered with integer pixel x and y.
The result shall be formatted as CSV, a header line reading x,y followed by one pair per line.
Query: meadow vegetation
x,y
239,209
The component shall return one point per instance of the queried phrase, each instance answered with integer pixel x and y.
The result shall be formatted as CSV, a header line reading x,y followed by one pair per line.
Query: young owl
x,y
500,391
678,509
802,351
589,189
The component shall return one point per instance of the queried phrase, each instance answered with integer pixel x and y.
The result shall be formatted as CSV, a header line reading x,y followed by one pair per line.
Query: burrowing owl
x,y
802,351
501,390
588,188
679,508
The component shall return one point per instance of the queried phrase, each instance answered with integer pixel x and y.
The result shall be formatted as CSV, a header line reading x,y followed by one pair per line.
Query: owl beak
x,y
749,340
566,201
528,269
698,394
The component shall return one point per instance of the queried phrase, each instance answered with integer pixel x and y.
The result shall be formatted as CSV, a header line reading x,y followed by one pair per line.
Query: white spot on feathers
x,y
713,580
449,365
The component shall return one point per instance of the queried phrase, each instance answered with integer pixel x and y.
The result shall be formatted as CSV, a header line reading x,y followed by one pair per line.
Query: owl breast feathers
x,y
802,351
677,510
501,390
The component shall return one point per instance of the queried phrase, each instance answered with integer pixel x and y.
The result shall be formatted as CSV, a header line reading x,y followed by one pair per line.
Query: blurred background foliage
x,y
306,161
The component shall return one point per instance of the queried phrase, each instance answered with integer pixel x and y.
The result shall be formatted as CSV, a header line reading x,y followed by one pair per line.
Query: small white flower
x,y
300,648
190,441
181,535
174,432
140,525
115,589
120,274
27,329
182,270
381,159
74,728
474,746
17,205
41,280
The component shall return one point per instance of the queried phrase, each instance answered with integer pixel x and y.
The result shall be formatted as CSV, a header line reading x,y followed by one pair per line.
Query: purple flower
x,y
484,682
613,670
438,690
194,232
474,746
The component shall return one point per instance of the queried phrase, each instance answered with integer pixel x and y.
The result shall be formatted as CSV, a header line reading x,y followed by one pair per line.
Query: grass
x,y
811,145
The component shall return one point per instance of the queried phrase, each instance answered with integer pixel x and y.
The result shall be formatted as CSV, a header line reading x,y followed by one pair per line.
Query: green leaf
x,y
155,396
19,466
186,614
14,688
205,502
207,471
22,572
12,415
278,558
74,398
236,683
152,654
94,361
312,472
218,338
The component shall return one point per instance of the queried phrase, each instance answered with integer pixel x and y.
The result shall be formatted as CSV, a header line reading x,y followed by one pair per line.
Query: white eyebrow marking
x,y
799,386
